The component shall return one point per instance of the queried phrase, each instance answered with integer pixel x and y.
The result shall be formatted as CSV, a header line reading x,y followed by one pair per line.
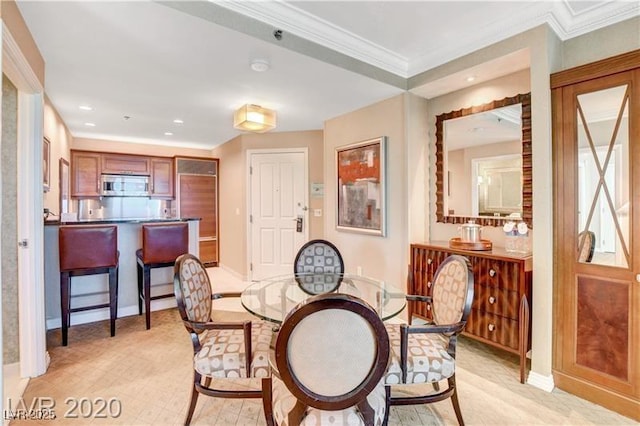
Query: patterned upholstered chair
x,y
318,267
328,375
426,353
587,244
230,350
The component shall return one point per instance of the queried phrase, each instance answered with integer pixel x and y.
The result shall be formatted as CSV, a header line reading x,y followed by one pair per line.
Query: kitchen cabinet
x,y
197,196
500,313
125,164
161,178
85,173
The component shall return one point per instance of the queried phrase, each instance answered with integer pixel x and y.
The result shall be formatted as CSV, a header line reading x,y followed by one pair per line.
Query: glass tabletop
x,y
273,298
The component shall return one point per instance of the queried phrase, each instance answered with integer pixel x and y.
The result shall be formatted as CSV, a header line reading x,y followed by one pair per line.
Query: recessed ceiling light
x,y
260,65
178,121
90,124
471,78
168,134
86,107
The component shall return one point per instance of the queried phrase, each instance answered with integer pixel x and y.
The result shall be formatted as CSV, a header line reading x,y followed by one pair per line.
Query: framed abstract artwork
x,y
361,193
46,157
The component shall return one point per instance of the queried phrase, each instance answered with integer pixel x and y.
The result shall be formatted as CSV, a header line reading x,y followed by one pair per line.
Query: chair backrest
x,y
452,290
332,367
164,242
587,247
192,288
88,247
318,267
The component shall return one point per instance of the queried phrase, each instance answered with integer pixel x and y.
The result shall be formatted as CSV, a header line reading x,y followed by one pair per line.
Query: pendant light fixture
x,y
254,118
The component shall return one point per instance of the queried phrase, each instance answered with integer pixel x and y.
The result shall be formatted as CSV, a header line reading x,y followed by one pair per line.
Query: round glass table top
x,y
273,298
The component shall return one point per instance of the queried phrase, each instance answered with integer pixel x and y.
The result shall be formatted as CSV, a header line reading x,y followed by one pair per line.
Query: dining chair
x,y
221,350
426,353
328,375
587,247
318,267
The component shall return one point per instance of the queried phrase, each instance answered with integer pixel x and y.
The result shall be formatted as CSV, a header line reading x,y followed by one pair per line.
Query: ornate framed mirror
x,y
483,163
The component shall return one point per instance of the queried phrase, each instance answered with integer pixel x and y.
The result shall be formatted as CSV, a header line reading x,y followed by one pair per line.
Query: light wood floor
x,y
149,373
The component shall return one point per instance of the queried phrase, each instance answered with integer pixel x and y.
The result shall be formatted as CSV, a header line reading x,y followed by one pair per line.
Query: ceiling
x,y
140,65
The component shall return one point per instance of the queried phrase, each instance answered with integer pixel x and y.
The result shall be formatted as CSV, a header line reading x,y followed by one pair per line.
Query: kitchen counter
x,y
94,287
118,221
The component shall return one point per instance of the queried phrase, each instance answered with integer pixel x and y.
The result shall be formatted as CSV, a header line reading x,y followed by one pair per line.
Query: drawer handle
x,y
429,261
492,327
492,272
492,300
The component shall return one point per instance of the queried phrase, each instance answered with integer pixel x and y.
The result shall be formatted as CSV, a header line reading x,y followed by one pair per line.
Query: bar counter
x,y
94,287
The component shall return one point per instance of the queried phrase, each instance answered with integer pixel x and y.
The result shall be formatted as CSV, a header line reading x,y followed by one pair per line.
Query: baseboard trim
x,y
86,317
541,382
232,272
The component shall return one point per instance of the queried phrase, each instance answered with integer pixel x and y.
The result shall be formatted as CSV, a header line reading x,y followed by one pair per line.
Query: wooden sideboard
x,y
500,314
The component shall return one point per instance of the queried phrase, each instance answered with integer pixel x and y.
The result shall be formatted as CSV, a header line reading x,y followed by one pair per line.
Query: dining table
x,y
273,298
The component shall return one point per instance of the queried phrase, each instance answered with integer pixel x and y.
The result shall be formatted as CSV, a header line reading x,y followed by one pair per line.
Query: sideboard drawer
x,y
495,328
497,301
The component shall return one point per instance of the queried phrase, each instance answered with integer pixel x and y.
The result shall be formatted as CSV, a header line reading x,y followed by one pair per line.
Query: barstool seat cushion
x,y
163,242
223,352
284,401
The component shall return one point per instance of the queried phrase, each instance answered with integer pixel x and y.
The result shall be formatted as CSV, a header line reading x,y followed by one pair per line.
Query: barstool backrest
x,y
164,242
88,247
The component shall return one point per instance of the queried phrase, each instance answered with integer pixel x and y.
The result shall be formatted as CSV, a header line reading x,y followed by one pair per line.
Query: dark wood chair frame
x,y
144,287
592,244
306,397
451,330
195,328
299,254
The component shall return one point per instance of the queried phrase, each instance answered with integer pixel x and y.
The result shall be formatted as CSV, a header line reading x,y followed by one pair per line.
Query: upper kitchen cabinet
x,y
125,164
161,178
85,174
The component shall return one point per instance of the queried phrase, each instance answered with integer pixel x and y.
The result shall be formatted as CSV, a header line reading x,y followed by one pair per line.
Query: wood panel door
x,y
597,243
199,198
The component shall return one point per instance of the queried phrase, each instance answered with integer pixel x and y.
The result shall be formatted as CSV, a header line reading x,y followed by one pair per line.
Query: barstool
x,y
161,245
87,250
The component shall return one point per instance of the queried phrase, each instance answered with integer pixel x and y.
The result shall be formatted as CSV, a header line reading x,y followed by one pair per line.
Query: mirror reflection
x,y
603,177
483,163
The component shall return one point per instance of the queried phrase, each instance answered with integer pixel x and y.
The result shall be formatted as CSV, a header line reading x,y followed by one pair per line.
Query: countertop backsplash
x,y
123,208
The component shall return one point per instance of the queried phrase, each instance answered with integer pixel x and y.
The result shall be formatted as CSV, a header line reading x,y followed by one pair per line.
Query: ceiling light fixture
x,y
260,65
254,118
168,134
178,121
471,78
86,108
90,124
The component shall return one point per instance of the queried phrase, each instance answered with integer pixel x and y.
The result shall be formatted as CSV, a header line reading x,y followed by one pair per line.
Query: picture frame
x,y
361,187
46,157
65,186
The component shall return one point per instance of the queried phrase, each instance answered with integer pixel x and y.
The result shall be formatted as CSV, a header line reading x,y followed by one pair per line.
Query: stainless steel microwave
x,y
124,186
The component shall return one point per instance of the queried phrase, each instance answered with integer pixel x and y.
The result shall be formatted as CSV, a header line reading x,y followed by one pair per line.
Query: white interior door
x,y
278,201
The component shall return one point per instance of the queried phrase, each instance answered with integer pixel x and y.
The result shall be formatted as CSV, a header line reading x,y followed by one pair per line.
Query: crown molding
x,y
289,18
559,16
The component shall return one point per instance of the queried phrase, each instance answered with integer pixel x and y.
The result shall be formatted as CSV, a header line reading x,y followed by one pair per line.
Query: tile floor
x,y
148,373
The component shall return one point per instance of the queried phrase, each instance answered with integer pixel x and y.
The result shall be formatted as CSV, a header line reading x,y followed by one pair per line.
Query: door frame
x,y
34,358
250,153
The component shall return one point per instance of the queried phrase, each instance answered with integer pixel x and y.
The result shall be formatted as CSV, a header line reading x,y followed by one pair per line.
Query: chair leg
x,y
454,399
267,401
194,398
147,295
387,404
140,295
113,298
65,305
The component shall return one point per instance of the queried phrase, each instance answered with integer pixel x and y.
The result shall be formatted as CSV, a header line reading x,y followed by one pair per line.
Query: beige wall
x,y
136,148
384,258
60,142
233,189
